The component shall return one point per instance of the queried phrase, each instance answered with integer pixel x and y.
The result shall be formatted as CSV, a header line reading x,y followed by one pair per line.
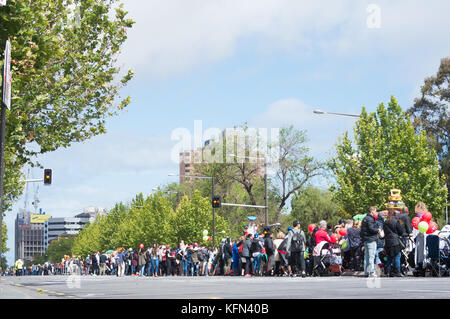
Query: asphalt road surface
x,y
107,287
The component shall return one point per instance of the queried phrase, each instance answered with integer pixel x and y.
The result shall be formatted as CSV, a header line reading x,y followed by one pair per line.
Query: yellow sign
x,y
39,219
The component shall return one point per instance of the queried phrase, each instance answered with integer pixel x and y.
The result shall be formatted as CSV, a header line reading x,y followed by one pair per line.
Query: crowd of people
x,y
371,244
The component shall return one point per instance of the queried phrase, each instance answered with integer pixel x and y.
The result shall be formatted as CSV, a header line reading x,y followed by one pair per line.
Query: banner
x,y
39,219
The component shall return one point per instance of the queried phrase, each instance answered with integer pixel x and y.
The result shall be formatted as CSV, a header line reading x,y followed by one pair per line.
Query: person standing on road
x,y
148,262
127,257
134,262
405,222
270,250
354,241
227,256
380,241
103,264
246,254
154,254
295,246
141,261
120,263
393,232
256,254
369,236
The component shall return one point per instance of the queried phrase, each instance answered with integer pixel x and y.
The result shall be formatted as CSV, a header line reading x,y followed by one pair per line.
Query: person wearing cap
x,y
256,254
296,249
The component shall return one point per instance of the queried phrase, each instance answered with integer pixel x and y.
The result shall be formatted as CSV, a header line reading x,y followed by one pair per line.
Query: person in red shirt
x,y
322,234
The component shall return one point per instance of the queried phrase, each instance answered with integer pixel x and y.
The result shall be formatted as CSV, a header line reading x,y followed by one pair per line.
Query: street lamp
x,y
266,209
342,114
212,194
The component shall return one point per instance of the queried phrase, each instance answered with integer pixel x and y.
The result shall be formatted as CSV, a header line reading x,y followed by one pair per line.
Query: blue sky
x,y
268,63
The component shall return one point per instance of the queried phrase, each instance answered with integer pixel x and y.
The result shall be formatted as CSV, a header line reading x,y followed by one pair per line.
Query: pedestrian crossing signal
x,y
216,202
47,176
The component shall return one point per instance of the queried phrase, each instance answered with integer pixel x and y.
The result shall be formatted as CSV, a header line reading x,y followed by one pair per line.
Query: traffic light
x,y
216,202
47,176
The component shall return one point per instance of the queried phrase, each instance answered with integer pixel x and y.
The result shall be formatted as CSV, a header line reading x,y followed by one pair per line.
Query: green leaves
x,y
145,221
386,154
65,82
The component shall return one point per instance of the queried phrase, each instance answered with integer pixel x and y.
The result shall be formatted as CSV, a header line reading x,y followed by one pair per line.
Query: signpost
x,y
7,78
5,103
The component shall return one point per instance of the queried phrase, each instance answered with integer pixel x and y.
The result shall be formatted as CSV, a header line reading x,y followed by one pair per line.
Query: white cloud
x,y
172,37
322,130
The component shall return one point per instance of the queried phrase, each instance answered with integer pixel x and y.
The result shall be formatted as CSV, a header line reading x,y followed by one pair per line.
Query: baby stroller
x,y
407,258
327,260
437,258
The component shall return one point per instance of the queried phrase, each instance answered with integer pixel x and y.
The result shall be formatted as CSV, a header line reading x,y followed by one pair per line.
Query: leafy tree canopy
x,y
386,154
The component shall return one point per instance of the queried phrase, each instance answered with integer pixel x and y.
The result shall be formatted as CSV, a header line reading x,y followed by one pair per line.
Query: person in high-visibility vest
x,y
19,267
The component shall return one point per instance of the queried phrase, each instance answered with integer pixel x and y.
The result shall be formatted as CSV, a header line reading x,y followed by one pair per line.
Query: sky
x,y
225,63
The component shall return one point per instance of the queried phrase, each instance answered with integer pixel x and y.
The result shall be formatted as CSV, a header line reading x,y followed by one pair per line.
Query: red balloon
x,y
311,227
334,238
433,227
427,217
415,222
141,246
342,232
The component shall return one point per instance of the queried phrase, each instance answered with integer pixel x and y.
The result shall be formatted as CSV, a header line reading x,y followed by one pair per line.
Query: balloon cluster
x,y
424,224
205,236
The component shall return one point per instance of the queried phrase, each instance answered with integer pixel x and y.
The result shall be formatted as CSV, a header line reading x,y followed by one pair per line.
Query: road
x,y
67,287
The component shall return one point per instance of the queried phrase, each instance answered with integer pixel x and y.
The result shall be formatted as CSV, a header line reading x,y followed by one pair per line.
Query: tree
x,y
387,154
58,248
431,113
63,64
65,82
192,217
312,205
295,167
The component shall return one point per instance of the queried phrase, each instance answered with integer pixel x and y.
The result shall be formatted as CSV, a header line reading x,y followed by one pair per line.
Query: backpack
x,y
255,247
200,255
297,242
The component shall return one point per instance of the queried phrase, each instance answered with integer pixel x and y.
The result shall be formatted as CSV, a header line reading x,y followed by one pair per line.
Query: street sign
x,y
7,79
